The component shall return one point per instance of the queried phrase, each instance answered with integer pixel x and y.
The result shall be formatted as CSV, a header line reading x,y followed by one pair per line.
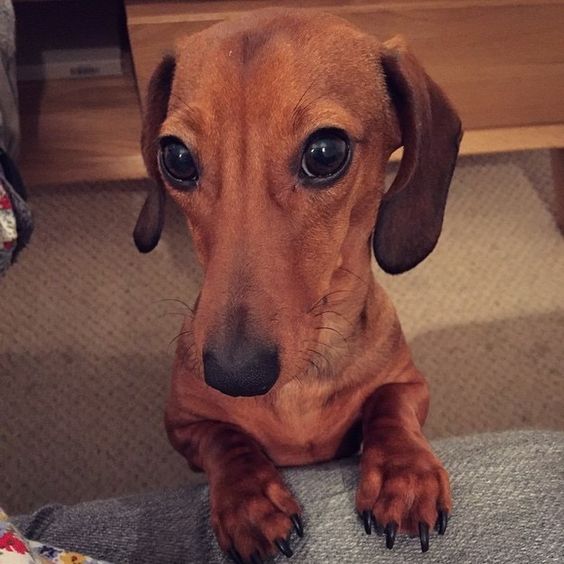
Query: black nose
x,y
248,369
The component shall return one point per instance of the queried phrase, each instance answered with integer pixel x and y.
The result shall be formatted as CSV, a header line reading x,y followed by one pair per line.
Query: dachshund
x,y
272,133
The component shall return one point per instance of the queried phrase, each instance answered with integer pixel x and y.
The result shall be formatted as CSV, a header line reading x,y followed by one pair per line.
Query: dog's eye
x,y
177,163
326,154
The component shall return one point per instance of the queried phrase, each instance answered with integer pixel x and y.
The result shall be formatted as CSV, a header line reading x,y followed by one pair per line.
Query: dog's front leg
x,y
403,485
252,511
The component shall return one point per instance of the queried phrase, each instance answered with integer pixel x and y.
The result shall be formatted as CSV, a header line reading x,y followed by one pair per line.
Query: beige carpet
x,y
84,337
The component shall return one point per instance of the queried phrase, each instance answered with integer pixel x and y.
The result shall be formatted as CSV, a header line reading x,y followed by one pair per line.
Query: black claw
x,y
284,547
367,520
424,536
298,525
391,530
256,559
235,556
442,522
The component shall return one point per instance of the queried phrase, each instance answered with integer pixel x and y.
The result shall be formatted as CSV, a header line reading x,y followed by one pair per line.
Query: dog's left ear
x,y
151,219
411,212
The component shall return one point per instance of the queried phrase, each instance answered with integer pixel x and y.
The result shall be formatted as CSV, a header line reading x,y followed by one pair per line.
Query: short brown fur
x,y
296,262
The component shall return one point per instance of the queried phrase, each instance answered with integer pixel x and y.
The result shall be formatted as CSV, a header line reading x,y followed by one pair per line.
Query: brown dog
x,y
272,134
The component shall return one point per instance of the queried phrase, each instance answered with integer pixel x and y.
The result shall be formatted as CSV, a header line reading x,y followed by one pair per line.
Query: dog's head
x,y
272,134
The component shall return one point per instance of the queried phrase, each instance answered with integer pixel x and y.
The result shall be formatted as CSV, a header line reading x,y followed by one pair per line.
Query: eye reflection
x,y
326,154
177,163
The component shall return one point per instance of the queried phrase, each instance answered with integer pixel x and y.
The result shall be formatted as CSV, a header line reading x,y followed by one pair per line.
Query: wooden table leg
x,y
557,160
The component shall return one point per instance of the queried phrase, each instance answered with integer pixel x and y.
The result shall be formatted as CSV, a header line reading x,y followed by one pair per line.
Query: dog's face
x,y
272,134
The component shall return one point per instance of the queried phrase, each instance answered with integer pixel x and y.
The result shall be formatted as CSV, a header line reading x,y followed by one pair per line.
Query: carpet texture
x,y
84,334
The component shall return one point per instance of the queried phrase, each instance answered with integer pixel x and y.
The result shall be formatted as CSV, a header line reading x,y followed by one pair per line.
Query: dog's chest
x,y
301,429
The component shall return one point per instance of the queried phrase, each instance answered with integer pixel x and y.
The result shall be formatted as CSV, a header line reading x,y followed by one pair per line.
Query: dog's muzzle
x,y
247,369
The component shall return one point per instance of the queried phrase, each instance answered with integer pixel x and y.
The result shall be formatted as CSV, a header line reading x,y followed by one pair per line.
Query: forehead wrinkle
x,y
189,116
252,43
327,114
176,125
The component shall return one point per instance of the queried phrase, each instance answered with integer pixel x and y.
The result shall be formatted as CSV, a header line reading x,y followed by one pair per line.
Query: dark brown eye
x,y
177,163
326,154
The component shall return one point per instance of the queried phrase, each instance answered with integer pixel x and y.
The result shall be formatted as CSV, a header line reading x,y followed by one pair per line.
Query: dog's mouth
x,y
246,369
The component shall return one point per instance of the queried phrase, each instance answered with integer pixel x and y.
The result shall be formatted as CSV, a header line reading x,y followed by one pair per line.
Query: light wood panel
x,y
506,139
160,11
501,61
80,129
88,129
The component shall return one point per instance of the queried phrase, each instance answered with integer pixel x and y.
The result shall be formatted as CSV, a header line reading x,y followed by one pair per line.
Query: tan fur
x,y
297,262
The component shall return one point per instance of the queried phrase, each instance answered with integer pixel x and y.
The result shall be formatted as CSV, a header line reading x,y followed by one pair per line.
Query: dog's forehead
x,y
255,35
275,57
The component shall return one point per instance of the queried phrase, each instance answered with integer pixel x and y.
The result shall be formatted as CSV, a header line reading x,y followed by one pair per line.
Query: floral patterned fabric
x,y
14,549
8,232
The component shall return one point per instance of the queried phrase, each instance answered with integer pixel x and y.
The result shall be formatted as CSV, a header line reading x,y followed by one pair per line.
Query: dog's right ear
x,y
151,219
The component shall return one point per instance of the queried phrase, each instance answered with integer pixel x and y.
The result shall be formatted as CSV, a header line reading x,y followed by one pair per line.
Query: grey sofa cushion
x,y
508,494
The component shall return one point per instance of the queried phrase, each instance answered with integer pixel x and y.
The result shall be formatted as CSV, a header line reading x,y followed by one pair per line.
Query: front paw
x,y
253,517
404,490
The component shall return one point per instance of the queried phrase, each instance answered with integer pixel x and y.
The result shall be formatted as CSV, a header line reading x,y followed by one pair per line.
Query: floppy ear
x,y
411,212
151,219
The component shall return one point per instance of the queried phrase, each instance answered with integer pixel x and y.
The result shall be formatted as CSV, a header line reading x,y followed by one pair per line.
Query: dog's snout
x,y
249,369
